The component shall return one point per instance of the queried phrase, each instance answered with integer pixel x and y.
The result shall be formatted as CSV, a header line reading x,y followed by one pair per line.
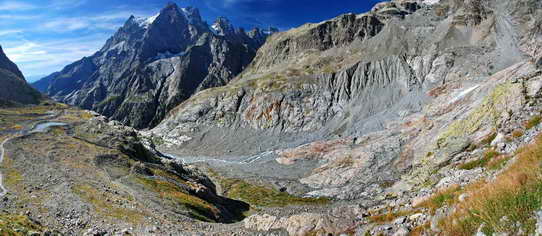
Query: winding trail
x,y
3,190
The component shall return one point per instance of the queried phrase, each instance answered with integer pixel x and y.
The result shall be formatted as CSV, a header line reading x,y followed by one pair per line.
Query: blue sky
x,y
42,36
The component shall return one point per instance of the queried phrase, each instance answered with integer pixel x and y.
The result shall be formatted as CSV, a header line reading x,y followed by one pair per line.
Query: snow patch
x,y
118,46
166,55
151,19
214,28
187,16
145,22
463,93
431,2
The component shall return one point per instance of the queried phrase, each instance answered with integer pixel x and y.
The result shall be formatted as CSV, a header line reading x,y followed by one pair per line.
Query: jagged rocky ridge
x,y
14,89
151,65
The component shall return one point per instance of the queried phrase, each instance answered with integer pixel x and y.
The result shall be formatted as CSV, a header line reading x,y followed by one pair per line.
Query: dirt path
x,y
3,190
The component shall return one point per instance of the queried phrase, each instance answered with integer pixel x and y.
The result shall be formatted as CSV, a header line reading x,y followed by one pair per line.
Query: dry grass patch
x,y
390,216
506,204
517,133
420,230
488,139
534,121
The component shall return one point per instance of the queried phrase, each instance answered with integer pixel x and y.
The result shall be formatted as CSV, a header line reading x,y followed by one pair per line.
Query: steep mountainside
x,y
14,89
394,113
151,65
348,75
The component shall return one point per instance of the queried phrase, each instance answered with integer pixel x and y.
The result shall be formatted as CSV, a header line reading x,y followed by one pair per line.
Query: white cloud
x,y
16,6
107,21
65,4
38,58
231,2
44,42
65,24
9,32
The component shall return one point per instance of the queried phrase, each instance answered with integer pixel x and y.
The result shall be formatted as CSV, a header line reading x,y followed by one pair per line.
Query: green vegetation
x,y
108,100
259,196
534,121
444,197
199,209
487,113
482,162
506,204
102,203
264,197
12,177
16,225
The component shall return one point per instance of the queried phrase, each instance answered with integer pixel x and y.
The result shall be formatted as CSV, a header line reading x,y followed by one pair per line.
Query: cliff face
x,y
14,89
151,65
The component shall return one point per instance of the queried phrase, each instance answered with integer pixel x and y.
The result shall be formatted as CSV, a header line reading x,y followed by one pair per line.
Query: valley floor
x,y
68,171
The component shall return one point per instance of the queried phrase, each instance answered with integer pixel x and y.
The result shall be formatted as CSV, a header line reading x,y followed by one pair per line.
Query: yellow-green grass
x,y
506,204
259,196
16,225
447,196
99,200
488,160
199,208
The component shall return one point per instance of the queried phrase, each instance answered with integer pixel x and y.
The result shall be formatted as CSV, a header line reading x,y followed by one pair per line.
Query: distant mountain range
x,y
14,89
153,64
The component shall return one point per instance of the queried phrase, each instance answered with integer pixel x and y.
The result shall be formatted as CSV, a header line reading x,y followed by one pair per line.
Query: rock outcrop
x,y
14,89
151,65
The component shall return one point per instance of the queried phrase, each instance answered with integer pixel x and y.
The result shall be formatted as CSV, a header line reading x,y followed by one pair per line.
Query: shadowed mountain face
x,y
151,65
13,86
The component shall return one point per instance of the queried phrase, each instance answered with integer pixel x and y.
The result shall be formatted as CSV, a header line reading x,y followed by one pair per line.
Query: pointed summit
x,y
223,27
192,13
172,12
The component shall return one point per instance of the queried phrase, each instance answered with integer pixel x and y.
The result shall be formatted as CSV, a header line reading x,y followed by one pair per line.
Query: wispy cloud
x,y
38,58
9,32
16,6
43,41
106,21
66,4
231,2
